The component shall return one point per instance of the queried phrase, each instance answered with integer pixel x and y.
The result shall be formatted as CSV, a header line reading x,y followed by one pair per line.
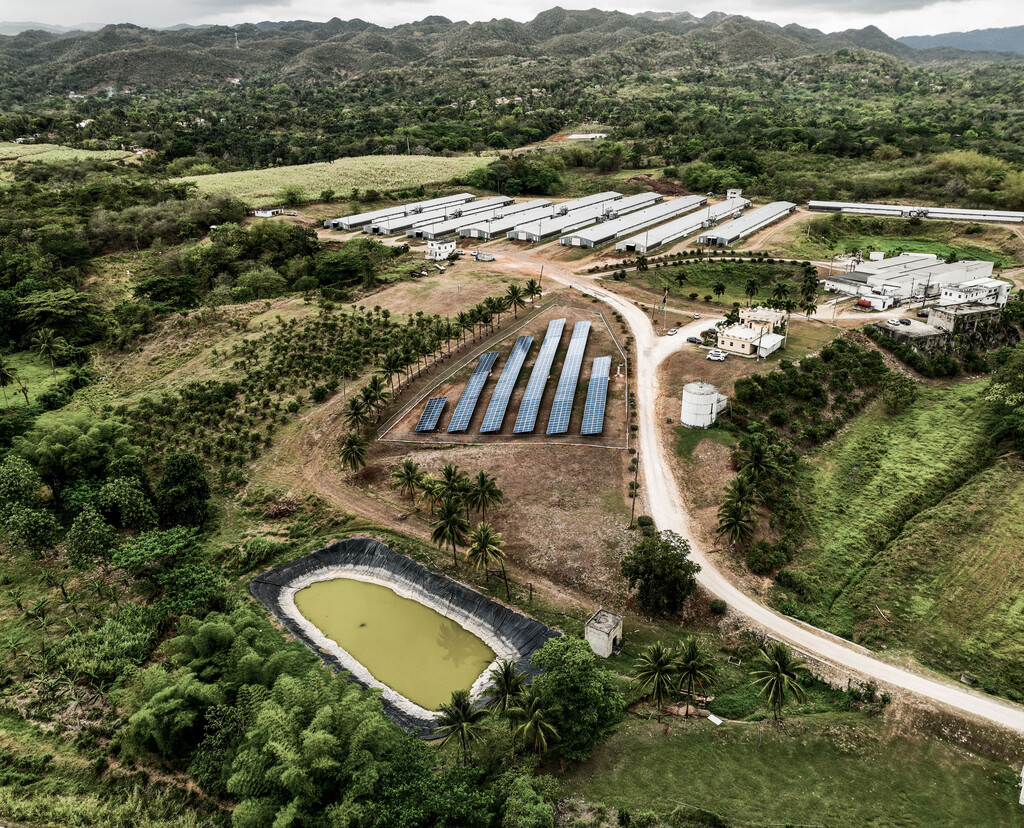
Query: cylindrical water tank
x,y
700,399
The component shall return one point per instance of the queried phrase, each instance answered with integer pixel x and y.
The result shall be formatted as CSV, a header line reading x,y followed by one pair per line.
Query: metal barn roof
x,y
748,224
609,230
916,211
682,227
359,219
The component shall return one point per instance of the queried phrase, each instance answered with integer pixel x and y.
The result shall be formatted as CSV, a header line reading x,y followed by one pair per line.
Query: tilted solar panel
x,y
467,402
527,417
506,382
597,395
431,414
558,422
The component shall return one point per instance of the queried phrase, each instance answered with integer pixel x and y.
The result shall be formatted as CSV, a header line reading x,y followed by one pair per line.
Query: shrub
x,y
762,558
718,606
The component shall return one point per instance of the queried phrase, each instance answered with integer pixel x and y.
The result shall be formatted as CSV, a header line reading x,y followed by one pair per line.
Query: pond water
x,y
404,644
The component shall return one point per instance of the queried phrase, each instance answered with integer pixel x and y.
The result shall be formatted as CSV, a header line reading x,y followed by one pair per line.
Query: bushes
x,y
762,557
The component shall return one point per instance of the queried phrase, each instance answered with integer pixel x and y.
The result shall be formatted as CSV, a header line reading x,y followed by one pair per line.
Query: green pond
x,y
403,643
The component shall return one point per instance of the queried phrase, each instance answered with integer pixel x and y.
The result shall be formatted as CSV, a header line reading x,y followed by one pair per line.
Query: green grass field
x,y
687,439
377,172
34,373
833,769
700,278
907,520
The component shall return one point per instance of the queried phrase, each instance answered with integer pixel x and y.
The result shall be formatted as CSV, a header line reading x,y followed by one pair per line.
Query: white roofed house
x,y
439,251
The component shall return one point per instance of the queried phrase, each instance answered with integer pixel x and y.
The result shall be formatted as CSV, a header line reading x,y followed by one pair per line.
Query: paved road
x,y
669,512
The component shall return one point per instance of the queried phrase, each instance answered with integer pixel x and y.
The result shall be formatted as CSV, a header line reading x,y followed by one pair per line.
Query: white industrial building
x,y
498,227
701,405
630,223
586,201
916,211
907,276
977,291
545,228
359,219
603,632
484,210
683,227
439,251
620,207
747,225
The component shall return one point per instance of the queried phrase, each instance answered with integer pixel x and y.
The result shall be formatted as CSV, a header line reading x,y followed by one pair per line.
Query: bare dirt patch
x,y
664,186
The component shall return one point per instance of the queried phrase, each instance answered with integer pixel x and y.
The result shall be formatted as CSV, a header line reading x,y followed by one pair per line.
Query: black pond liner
x,y
523,635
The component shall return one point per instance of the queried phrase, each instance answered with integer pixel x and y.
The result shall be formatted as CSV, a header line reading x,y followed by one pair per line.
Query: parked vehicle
x,y
671,331
696,316
892,322
922,314
694,339
904,321
716,355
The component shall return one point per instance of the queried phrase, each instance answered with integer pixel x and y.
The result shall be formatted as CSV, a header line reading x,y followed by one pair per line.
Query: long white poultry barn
x,y
682,227
748,224
916,211
545,228
606,231
440,229
586,201
496,228
359,219
399,224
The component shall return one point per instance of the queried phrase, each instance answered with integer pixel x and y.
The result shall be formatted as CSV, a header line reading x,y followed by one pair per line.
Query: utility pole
x,y
636,471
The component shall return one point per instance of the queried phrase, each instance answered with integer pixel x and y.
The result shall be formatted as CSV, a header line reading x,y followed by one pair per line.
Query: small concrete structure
x,y
701,405
276,211
439,251
959,319
604,632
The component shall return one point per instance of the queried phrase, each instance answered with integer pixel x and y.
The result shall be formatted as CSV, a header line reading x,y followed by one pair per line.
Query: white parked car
x,y
696,316
892,321
671,331
716,355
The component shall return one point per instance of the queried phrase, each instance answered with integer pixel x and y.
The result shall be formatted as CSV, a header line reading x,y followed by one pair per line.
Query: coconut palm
x,y
48,344
516,298
809,308
430,491
752,288
454,483
778,678
694,668
393,365
407,477
780,291
742,490
375,394
450,526
357,413
718,289
482,492
8,376
485,548
465,323
736,523
533,290
507,686
459,718
353,451
655,674
532,714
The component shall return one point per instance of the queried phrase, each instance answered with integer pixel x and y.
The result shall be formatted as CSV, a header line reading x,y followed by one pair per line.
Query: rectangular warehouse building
x,y
359,219
748,224
614,209
497,228
545,228
482,210
682,227
630,223
907,276
916,211
586,201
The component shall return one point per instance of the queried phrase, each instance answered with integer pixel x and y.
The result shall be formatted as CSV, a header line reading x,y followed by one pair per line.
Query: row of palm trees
x,y
662,672
508,698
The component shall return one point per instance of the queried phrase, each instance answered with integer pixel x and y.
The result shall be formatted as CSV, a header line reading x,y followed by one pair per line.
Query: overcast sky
x,y
895,17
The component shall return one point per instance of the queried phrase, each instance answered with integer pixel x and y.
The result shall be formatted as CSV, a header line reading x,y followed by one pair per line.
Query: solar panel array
x,y
527,417
597,396
431,414
506,382
467,402
558,422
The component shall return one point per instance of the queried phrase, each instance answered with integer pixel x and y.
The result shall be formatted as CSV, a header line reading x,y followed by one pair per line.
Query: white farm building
x,y
747,225
907,276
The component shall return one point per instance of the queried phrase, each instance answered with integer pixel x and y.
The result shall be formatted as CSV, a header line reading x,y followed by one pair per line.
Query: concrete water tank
x,y
701,404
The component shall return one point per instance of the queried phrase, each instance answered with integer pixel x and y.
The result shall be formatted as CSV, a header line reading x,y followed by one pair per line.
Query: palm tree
x,y
778,679
375,394
454,483
754,457
465,323
735,523
533,290
752,289
48,344
485,548
694,667
780,292
655,673
482,492
718,289
392,364
8,376
407,477
532,713
516,297
809,308
357,413
507,686
742,490
450,526
353,451
461,719
430,490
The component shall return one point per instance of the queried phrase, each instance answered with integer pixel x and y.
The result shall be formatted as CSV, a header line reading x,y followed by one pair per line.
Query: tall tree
x,y
482,492
660,569
183,494
516,298
352,451
49,345
533,290
357,413
718,288
485,548
694,668
450,526
736,523
507,685
778,675
407,477
752,288
460,719
8,375
533,713
655,671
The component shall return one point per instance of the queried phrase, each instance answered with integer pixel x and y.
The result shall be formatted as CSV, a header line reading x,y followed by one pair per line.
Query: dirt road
x,y
667,508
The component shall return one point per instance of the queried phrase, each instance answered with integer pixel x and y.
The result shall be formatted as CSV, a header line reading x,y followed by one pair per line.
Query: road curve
x,y
669,512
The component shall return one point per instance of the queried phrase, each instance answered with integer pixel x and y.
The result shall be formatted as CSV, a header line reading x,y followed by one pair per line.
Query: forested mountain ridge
x,y
1009,39
119,55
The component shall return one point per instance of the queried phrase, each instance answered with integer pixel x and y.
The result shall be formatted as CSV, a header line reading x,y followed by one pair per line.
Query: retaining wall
x,y
510,634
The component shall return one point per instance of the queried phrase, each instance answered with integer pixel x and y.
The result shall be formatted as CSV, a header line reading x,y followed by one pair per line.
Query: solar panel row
x,y
558,422
597,396
431,414
506,382
527,417
467,402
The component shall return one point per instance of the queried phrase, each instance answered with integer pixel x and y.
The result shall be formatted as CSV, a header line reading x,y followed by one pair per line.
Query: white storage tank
x,y
701,405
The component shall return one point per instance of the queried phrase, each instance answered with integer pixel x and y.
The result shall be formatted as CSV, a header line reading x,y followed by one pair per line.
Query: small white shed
x,y
604,632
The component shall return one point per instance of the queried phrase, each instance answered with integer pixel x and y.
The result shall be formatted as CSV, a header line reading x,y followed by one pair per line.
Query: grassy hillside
x,y
383,173
906,520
